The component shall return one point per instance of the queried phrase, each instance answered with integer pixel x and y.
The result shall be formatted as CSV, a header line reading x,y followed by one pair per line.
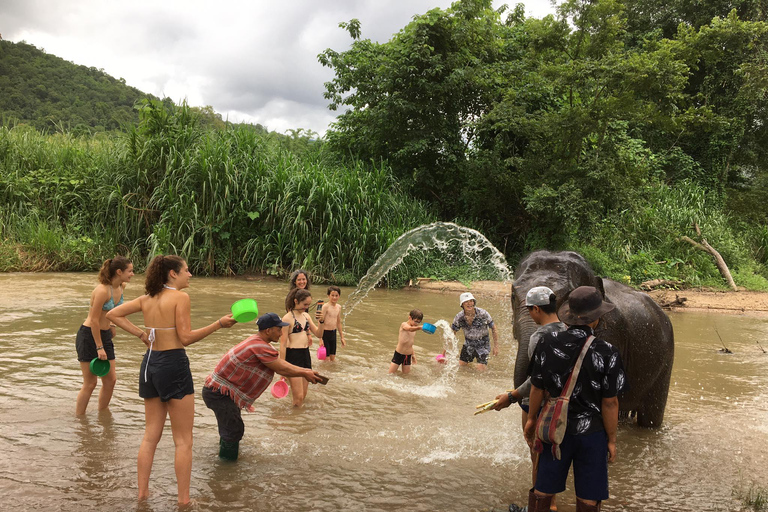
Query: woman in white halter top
x,y
165,380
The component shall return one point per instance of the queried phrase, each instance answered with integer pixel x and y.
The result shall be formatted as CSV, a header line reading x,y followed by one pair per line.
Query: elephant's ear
x,y
599,285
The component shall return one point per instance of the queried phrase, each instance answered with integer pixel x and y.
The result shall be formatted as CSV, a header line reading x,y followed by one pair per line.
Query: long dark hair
x,y
296,274
295,295
157,272
110,267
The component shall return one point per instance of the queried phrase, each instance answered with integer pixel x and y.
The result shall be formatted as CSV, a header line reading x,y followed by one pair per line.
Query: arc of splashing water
x,y
437,235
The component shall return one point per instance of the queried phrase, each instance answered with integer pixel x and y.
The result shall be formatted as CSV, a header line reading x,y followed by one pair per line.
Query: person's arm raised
x,y
184,323
118,317
317,330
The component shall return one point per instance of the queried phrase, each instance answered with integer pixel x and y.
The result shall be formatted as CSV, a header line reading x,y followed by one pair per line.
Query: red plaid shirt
x,y
242,374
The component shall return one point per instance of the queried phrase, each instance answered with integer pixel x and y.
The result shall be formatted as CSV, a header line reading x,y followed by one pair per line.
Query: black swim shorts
x,y
329,341
299,357
86,345
403,359
168,375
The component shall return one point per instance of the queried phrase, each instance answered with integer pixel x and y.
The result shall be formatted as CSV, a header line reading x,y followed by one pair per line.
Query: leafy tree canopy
x,y
540,128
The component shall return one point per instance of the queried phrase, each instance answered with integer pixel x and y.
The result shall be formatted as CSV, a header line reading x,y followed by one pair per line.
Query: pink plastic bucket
x,y
439,358
321,353
279,389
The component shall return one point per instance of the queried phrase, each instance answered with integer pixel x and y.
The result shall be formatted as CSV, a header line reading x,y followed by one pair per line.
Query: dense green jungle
x,y
613,128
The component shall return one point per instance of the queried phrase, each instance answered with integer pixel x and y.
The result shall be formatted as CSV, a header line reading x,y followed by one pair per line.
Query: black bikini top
x,y
297,326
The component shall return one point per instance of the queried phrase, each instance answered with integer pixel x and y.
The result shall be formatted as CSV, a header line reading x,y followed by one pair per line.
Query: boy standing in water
x,y
330,315
404,352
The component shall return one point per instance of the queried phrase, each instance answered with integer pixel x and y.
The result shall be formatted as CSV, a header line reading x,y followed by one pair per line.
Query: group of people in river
x,y
563,339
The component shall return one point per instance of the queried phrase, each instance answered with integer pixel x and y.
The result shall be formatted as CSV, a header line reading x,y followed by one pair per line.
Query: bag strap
x,y
571,383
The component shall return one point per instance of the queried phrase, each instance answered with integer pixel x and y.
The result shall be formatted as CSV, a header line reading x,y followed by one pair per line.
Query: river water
x,y
367,441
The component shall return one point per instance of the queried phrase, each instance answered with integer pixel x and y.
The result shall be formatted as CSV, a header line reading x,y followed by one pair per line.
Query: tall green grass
x,y
229,201
643,241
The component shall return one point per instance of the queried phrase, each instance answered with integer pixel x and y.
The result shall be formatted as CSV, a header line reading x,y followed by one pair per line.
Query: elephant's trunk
x,y
524,328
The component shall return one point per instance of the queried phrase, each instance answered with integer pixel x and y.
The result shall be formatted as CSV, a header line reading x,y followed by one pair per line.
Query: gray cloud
x,y
252,61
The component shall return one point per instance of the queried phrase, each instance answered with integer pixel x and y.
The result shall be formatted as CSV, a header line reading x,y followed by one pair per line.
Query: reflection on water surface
x,y
366,441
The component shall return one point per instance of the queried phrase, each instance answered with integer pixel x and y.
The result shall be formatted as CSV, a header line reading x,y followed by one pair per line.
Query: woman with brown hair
x,y
165,380
294,344
94,338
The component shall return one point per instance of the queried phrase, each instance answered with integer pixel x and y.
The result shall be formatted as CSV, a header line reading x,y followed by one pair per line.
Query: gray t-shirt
x,y
525,387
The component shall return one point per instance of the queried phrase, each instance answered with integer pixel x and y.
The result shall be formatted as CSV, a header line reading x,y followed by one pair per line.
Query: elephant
x,y
637,327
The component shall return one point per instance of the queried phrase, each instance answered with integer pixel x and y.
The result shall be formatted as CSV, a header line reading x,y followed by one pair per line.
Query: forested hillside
x,y
51,93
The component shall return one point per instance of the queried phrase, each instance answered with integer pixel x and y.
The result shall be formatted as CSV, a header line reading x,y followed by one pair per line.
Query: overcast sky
x,y
252,60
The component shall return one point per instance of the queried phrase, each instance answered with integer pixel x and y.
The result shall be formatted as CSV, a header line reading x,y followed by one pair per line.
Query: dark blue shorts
x,y
167,375
524,407
589,454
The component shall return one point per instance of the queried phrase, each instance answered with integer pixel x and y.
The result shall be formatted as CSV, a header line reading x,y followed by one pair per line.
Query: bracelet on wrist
x,y
221,325
100,347
511,397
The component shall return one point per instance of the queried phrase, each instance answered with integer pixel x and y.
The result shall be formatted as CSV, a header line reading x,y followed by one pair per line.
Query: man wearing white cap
x,y
541,303
476,322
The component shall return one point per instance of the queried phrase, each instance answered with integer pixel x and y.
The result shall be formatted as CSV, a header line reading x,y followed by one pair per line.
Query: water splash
x,y
451,345
438,235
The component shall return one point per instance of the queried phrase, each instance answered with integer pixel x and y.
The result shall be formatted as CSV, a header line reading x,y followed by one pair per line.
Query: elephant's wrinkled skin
x,y
637,327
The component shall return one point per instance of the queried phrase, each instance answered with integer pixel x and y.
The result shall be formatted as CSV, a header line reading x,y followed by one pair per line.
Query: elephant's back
x,y
643,333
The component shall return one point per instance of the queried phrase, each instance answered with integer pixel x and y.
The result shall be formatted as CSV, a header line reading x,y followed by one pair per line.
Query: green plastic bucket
x,y
99,367
245,310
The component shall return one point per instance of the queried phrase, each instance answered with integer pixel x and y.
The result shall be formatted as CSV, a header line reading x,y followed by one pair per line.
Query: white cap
x,y
464,297
538,296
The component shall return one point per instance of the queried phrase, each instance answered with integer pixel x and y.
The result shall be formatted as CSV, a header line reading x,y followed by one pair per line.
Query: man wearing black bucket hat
x,y
590,438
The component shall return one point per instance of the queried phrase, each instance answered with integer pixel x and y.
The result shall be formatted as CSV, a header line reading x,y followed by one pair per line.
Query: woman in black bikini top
x,y
295,342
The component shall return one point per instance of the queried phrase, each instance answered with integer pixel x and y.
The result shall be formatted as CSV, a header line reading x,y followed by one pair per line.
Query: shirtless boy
x,y
404,352
330,315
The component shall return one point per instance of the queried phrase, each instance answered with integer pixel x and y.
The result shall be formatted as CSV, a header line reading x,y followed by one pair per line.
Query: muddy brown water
x,y
367,441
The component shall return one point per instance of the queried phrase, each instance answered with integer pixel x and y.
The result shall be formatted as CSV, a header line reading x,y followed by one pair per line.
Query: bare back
x,y
162,313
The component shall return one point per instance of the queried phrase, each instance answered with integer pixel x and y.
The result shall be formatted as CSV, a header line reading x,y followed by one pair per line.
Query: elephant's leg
x,y
650,414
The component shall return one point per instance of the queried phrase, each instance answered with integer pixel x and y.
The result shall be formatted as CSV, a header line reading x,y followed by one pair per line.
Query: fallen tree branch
x,y
704,246
669,304
656,283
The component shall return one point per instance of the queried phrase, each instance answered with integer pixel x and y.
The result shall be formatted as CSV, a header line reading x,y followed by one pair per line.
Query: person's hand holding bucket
x,y
100,367
279,389
245,310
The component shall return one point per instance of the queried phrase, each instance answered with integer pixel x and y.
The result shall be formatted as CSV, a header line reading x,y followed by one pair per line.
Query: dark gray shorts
x,y
86,345
168,375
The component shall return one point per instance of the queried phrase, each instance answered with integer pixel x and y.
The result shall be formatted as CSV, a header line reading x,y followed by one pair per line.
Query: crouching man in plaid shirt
x,y
241,376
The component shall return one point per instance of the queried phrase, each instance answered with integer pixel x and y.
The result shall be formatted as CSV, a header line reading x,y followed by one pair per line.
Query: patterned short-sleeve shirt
x,y
601,376
475,333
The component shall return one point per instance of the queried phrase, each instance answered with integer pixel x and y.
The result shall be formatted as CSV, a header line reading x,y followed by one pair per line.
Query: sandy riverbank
x,y
741,302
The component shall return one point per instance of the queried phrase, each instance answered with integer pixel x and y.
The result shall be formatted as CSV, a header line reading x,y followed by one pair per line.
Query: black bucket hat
x,y
584,306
